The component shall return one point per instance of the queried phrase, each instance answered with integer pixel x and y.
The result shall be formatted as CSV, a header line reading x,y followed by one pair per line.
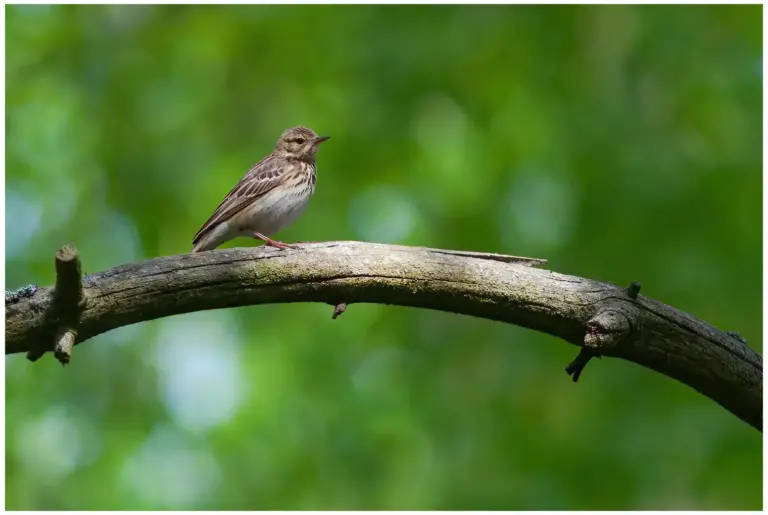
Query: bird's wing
x,y
260,179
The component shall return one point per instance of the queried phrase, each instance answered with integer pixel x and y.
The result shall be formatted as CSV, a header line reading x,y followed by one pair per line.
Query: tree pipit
x,y
269,197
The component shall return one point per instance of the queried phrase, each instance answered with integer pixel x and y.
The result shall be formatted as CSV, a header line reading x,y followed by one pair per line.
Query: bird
x,y
269,197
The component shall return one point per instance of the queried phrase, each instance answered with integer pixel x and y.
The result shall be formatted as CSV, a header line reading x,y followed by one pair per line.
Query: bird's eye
x,y
300,141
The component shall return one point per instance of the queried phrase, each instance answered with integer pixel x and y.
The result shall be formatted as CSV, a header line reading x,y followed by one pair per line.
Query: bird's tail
x,y
206,242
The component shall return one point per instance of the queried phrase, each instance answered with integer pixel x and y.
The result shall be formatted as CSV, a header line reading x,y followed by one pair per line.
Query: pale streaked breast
x,y
279,207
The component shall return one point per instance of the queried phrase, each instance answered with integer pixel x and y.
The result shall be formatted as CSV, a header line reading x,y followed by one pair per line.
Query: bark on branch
x,y
603,319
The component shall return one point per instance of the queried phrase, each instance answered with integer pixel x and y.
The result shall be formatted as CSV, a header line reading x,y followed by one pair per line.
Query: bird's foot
x,y
272,243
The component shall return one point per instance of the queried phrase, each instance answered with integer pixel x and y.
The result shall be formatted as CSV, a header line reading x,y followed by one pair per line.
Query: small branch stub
x,y
65,342
633,290
35,354
69,286
68,302
339,309
576,367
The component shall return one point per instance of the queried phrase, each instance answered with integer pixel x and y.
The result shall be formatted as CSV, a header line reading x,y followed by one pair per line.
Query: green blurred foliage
x,y
620,143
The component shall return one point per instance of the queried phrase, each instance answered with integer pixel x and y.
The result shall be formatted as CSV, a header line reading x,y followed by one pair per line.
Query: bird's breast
x,y
278,208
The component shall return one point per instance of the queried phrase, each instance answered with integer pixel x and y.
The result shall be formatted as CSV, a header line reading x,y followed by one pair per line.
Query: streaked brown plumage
x,y
271,195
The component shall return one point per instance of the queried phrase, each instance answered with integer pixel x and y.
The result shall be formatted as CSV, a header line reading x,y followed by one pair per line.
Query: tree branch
x,y
603,319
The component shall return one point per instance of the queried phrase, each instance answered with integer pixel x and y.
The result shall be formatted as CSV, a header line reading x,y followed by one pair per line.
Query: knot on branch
x,y
68,303
604,332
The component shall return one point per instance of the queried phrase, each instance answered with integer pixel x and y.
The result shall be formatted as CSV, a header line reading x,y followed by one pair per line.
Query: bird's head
x,y
299,142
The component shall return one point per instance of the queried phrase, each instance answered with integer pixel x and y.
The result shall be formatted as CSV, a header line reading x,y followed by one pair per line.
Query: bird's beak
x,y
320,139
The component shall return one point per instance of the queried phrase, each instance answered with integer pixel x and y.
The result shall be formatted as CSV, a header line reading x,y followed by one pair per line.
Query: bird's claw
x,y
280,245
272,243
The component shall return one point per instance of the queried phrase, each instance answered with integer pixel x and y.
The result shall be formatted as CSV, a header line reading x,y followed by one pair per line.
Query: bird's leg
x,y
272,243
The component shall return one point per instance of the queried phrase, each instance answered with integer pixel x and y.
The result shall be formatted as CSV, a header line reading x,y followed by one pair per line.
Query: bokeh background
x,y
620,143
